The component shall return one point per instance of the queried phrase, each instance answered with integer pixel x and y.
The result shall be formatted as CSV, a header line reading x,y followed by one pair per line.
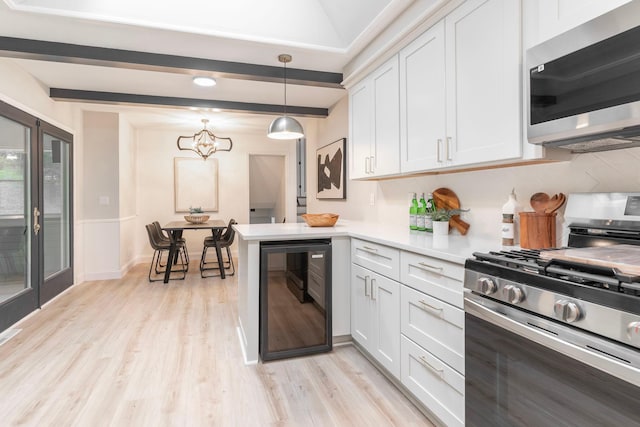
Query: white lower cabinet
x,y
438,386
415,327
375,316
434,325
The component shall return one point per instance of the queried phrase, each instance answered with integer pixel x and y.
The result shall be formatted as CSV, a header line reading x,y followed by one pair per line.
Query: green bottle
x,y
413,213
422,211
430,208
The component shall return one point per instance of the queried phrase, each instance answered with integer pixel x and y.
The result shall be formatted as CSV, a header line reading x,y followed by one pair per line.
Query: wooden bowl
x,y
196,219
320,220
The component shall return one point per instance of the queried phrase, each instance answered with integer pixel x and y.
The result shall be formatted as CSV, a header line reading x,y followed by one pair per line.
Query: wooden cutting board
x,y
447,199
625,258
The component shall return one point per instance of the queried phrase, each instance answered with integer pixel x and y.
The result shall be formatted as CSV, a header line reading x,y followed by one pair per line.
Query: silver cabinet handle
x,y
366,165
438,145
369,249
430,268
36,221
372,162
372,289
426,364
366,286
448,148
432,307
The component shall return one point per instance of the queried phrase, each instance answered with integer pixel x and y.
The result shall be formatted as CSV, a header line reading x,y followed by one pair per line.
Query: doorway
x,y
36,233
267,188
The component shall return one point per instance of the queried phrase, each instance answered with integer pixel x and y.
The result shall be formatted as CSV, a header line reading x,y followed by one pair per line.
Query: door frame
x,y
39,292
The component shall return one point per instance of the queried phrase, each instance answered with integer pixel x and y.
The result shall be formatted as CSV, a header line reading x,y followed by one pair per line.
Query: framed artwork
x,y
195,184
332,163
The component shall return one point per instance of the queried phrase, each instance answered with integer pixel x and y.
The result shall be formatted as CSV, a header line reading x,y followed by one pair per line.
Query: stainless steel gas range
x,y
552,337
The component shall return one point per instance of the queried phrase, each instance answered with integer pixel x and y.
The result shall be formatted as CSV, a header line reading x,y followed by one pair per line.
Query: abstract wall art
x,y
332,161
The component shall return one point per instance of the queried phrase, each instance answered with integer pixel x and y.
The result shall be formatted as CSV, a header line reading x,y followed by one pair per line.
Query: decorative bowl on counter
x,y
320,220
196,219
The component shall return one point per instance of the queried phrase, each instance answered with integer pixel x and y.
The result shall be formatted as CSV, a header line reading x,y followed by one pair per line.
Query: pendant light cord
x,y
285,88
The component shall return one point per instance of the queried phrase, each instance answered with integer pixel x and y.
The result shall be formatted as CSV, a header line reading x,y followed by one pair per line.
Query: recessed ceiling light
x,y
204,81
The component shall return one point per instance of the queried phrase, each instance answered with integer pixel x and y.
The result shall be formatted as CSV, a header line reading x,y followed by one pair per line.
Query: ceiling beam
x,y
119,58
169,101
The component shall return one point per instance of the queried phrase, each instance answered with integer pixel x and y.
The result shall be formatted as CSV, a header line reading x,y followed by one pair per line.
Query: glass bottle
x,y
422,212
413,213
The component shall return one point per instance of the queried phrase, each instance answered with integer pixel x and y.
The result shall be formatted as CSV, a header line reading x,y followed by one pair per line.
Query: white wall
x,y
155,152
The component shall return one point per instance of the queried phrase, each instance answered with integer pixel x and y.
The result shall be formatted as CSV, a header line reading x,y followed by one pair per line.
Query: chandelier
x,y
204,143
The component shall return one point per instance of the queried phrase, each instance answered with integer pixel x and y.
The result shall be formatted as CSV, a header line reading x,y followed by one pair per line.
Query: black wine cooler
x,y
295,298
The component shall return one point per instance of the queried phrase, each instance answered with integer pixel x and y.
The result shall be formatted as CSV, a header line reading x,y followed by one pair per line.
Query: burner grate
x,y
529,261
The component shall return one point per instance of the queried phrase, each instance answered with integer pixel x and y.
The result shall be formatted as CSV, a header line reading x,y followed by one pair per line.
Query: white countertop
x,y
454,247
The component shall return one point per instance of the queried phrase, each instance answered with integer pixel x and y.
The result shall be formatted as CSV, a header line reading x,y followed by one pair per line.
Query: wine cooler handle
x,y
36,220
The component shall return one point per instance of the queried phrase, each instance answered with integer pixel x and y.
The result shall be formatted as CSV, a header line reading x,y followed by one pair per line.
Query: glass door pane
x,y
55,203
55,212
15,217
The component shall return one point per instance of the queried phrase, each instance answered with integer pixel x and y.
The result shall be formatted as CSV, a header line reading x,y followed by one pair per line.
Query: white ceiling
x,y
320,35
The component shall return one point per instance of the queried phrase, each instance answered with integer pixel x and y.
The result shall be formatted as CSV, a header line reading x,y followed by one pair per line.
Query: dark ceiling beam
x,y
118,58
169,101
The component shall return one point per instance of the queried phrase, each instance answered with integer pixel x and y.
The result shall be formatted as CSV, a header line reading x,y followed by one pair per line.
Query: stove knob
x,y
633,332
567,311
512,294
487,286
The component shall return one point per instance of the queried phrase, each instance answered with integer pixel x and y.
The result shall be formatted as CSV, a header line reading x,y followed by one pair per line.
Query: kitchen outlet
x,y
103,200
372,199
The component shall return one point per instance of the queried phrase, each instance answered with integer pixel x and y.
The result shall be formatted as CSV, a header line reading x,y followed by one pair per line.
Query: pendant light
x,y
285,127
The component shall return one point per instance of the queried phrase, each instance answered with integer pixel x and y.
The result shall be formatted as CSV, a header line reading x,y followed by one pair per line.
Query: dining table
x,y
175,229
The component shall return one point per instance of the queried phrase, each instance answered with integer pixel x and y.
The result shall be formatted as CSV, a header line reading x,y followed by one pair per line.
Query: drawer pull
x,y
368,249
432,307
426,364
430,268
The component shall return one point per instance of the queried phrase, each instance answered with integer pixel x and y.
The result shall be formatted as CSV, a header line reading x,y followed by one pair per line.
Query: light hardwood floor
x,y
133,353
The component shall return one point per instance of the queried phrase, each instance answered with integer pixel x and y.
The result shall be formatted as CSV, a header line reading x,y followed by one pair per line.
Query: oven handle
x,y
592,358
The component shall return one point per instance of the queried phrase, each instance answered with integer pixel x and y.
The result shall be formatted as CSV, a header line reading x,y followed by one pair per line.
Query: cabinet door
x,y
361,318
422,101
386,312
360,129
483,86
385,150
557,16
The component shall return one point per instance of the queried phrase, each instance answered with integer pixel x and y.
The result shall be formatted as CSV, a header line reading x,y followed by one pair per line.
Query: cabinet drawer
x,y
440,279
379,258
315,288
436,385
435,325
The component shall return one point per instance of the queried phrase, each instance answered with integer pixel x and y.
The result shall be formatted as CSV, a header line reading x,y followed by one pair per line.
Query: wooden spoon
x,y
539,202
555,203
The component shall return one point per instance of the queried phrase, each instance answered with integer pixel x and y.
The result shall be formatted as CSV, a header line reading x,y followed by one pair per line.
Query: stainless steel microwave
x,y
583,86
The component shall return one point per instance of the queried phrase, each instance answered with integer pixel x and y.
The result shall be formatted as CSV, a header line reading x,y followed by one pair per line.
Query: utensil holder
x,y
537,230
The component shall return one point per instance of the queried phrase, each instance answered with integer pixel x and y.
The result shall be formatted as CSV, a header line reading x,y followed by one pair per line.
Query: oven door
x,y
520,371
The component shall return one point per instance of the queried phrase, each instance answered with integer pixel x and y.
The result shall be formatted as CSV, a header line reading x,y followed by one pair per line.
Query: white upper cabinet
x,y
375,123
483,82
460,92
557,16
422,102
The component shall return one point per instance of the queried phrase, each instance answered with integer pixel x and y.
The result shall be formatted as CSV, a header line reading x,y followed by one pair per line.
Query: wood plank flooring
x,y
132,353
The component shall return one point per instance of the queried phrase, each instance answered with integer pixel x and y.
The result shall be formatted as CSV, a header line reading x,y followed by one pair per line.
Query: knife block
x,y
537,230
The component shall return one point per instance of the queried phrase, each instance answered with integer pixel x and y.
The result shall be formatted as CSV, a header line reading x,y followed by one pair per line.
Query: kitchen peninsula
x,y
452,249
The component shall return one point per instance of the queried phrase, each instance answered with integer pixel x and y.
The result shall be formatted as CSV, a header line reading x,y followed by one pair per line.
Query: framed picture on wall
x,y
332,163
195,184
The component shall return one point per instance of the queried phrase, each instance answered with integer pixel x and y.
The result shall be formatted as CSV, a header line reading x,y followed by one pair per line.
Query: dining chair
x,y
223,240
165,238
158,245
